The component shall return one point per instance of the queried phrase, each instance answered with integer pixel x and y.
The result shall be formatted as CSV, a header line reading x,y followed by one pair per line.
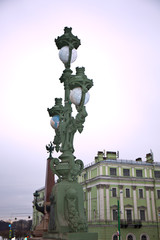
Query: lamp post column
x,y
67,218
119,226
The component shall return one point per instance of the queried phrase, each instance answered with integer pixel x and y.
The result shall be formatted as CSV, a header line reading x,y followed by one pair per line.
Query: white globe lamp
x,y
76,96
64,54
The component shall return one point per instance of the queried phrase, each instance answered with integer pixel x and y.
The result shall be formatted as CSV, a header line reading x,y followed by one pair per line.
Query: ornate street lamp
x,y
67,215
76,91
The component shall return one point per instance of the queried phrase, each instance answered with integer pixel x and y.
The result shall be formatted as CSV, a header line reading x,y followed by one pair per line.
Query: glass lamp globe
x,y
64,54
55,121
76,95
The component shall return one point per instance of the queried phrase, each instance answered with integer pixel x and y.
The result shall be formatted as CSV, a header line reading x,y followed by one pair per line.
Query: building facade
x,y
135,185
37,216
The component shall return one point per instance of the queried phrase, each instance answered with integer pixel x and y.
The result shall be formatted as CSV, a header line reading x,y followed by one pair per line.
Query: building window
x,y
130,237
138,173
115,215
84,196
129,215
142,215
114,192
115,237
85,176
158,194
127,193
113,171
140,193
144,237
126,172
157,174
94,214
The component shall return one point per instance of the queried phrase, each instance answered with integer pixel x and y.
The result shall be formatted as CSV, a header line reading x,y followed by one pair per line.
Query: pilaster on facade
x,y
148,204
89,174
153,205
106,170
135,202
145,173
100,201
89,204
100,169
108,217
121,205
98,211
101,192
150,173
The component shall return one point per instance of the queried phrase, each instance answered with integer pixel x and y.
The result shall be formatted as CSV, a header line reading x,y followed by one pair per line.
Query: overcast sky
x,y
120,51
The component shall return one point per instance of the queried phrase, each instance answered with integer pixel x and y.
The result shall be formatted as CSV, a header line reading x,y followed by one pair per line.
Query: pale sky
x,y
120,51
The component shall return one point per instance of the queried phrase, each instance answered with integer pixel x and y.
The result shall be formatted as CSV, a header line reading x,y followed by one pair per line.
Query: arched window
x,y
144,237
130,237
115,237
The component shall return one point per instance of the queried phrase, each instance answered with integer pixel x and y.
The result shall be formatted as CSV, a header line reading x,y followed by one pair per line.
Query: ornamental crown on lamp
x,y
67,39
57,109
80,80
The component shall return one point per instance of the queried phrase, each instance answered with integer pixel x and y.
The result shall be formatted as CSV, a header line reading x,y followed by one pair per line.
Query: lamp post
x,y
10,231
66,213
119,217
76,91
119,225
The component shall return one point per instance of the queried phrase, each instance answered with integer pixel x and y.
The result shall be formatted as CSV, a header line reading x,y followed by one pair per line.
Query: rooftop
x,y
113,157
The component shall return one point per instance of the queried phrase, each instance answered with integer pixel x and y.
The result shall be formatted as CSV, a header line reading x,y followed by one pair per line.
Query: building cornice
x,y
118,179
123,163
106,185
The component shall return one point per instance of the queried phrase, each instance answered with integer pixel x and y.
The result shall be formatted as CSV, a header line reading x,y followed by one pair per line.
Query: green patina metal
x,y
67,39
68,168
119,220
67,215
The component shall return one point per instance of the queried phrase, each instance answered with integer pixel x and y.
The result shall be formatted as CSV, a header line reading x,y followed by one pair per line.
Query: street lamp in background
x,y
10,231
118,216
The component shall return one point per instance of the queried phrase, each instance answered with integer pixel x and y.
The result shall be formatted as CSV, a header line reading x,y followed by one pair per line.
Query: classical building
x,y
38,216
134,185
